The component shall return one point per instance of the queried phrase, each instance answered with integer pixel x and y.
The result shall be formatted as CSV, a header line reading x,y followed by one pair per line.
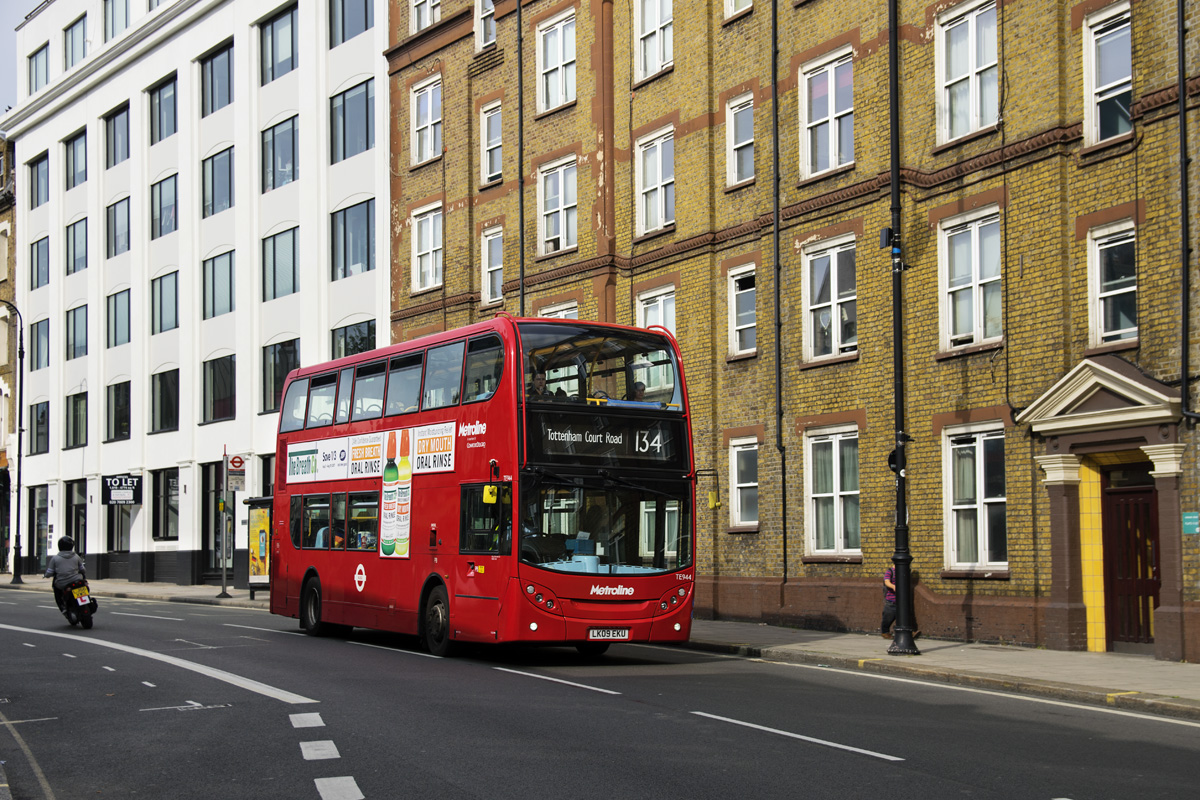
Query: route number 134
x,y
643,443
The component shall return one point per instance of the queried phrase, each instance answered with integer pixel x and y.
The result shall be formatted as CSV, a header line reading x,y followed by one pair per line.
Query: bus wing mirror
x,y
491,493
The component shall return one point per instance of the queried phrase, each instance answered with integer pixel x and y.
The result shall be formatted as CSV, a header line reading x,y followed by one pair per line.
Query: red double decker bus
x,y
516,480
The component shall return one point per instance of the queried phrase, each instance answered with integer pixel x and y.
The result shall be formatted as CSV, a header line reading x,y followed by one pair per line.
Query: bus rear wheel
x,y
310,609
592,649
436,628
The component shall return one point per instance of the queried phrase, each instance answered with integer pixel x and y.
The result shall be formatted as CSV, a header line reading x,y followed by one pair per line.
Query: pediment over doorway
x,y
1102,393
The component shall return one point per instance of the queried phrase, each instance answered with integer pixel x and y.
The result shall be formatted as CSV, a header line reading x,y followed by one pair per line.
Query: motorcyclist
x,y
65,567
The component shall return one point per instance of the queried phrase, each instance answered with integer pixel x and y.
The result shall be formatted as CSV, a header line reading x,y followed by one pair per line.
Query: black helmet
x,y
65,544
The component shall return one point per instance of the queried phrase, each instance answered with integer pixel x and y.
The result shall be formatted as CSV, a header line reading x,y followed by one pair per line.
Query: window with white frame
x,y
559,206
349,18
280,144
492,258
656,181
39,68
831,299
743,481
739,139
831,486
76,328
655,23
975,496
485,23
352,121
116,18
76,156
427,248
556,62
424,13
163,201
76,247
657,307
1112,283
352,240
277,45
280,264
743,315
75,42
39,263
219,283
163,119
734,6
427,120
828,113
561,311
969,267
491,139
967,69
1107,73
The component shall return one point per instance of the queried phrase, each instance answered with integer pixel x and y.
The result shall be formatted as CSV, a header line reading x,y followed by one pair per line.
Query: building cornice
x,y
98,69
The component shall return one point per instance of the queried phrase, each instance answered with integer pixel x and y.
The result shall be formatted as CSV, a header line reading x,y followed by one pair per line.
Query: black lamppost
x,y
20,434
902,642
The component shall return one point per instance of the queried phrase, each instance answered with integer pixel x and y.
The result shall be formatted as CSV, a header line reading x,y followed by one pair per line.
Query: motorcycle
x,y
77,604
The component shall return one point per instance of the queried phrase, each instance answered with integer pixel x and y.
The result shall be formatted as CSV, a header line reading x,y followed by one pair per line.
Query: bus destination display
x,y
575,439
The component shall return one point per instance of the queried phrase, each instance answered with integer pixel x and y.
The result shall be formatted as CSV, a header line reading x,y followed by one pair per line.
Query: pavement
x,y
1128,682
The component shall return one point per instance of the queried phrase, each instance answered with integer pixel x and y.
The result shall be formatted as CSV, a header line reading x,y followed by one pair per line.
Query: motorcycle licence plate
x,y
608,634
80,592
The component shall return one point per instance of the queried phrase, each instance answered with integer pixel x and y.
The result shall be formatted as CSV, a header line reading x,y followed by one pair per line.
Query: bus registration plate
x,y
608,634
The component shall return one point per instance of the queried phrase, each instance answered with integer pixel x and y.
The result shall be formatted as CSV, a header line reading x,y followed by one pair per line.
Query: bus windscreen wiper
x,y
554,476
608,476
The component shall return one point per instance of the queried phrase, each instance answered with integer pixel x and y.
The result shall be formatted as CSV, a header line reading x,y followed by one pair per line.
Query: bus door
x,y
484,562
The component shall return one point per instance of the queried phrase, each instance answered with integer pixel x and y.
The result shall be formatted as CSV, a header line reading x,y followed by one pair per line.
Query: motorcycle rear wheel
x,y
86,622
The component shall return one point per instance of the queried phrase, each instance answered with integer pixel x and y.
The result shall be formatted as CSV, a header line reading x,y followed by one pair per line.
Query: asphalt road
x,y
165,700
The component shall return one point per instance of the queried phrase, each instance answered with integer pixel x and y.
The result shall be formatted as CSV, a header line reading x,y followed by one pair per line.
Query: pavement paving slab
x,y
1115,680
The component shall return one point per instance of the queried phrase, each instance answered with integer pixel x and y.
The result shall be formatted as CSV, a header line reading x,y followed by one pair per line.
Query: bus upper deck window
x,y
320,400
485,364
343,402
368,391
443,376
404,384
291,418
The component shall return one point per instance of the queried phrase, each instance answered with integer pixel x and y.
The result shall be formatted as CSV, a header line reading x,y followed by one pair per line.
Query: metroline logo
x,y
622,590
475,428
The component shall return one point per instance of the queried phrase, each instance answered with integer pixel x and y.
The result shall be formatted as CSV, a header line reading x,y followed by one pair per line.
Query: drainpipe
x,y
776,180
521,156
1185,249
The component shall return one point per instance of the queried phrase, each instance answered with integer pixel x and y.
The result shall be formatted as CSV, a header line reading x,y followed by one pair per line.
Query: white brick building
x,y
198,183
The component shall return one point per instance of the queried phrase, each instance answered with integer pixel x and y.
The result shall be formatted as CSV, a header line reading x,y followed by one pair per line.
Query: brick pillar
x,y
1066,615
1169,644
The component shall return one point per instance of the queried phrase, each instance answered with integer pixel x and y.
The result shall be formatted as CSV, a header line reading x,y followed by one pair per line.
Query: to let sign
x,y
121,490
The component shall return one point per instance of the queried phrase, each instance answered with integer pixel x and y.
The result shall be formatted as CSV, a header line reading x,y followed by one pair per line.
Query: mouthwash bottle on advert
x,y
391,488
403,497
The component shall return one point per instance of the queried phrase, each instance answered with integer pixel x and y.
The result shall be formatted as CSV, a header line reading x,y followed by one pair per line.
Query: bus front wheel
x,y
437,623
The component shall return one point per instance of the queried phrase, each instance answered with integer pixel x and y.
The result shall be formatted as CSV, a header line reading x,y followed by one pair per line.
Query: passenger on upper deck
x,y
538,390
638,392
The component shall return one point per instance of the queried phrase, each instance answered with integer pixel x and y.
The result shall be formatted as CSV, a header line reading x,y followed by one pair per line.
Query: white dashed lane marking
x,y
318,751
307,721
338,789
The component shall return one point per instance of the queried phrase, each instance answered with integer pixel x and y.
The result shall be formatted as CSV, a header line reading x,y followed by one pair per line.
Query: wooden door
x,y
1131,569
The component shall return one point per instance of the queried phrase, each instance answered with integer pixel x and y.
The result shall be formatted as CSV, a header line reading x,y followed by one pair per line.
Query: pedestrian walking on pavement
x,y
889,605
889,602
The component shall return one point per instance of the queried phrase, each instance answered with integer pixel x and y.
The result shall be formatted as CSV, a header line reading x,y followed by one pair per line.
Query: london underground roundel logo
x,y
360,577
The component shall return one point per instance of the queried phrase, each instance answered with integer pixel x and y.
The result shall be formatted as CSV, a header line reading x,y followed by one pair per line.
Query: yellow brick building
x,y
1052,474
